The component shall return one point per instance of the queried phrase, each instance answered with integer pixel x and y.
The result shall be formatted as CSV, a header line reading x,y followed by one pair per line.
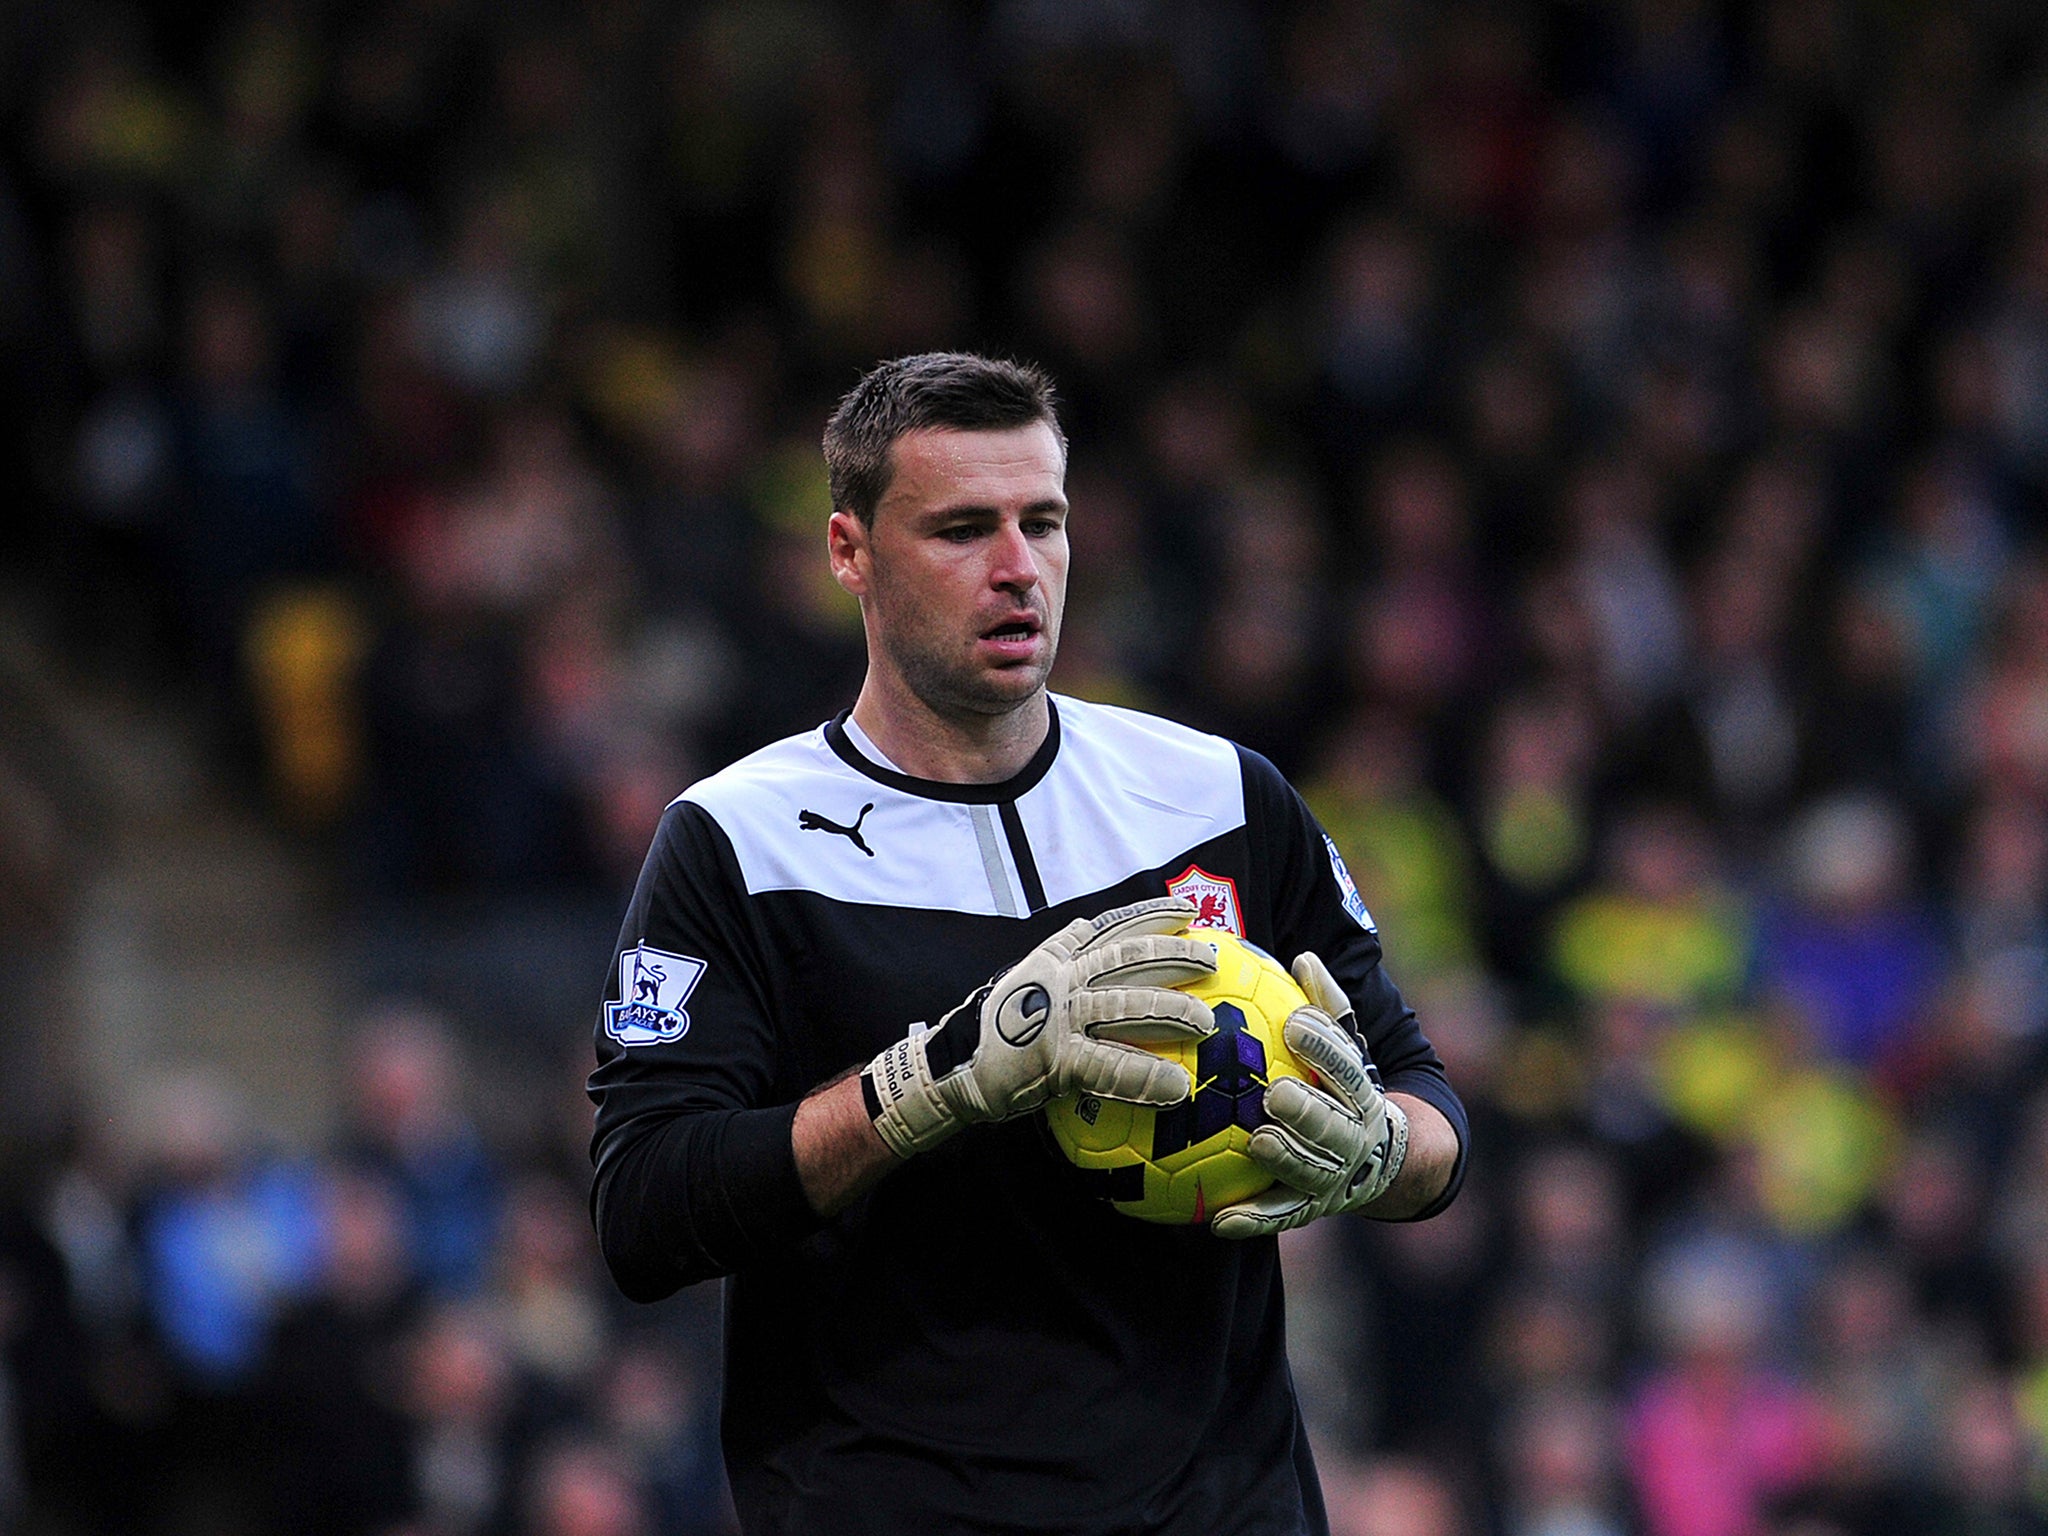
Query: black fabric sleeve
x,y
695,1174
1312,904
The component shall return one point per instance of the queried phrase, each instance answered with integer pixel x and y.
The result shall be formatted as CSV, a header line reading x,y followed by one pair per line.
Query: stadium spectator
x,y
408,1129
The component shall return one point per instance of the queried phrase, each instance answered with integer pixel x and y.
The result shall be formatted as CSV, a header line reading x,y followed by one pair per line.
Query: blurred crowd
x,y
1596,448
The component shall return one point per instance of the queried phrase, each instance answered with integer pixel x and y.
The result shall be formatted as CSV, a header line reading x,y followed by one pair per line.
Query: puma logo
x,y
811,821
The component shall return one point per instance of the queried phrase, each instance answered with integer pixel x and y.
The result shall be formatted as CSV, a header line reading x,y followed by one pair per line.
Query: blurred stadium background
x,y
1598,449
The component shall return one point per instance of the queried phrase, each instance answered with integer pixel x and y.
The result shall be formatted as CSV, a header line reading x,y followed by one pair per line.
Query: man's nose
x,y
1014,566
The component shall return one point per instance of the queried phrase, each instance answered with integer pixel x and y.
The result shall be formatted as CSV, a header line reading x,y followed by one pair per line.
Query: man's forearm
x,y
1432,1155
839,1154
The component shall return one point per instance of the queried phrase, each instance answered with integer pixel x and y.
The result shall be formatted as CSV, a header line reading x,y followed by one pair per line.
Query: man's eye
x,y
1041,528
959,534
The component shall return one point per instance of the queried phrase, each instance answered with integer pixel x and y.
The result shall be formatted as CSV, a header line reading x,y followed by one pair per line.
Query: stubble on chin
x,y
965,689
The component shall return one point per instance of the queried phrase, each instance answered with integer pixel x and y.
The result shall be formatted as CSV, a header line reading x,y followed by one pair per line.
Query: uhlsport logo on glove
x,y
1023,1015
653,986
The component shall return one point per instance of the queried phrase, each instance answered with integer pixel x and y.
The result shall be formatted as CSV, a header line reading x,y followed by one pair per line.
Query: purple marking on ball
x,y
1230,1068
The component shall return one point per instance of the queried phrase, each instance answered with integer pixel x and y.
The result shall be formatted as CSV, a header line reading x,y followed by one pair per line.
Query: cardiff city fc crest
x,y
653,986
1214,896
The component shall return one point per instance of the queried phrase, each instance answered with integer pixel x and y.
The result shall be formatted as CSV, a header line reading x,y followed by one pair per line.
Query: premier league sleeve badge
x,y
653,986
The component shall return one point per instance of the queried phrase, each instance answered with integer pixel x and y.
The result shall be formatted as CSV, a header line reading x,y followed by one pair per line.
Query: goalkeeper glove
x,y
1334,1148
1071,1015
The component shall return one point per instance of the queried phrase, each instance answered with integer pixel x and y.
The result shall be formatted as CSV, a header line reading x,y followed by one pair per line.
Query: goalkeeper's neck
x,y
952,746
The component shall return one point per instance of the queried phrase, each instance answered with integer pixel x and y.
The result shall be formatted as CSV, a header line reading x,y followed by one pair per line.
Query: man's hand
x,y
1071,1015
1334,1148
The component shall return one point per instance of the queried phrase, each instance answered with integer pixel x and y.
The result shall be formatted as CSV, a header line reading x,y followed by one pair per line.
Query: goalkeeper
x,y
807,1082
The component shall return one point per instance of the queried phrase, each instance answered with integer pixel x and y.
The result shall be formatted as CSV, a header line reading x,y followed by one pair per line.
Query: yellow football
x,y
1178,1165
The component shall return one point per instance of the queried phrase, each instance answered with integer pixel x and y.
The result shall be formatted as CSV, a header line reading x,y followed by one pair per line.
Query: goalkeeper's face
x,y
963,577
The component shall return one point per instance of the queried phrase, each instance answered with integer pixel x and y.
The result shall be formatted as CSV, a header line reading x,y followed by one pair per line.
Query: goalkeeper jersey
x,y
982,1343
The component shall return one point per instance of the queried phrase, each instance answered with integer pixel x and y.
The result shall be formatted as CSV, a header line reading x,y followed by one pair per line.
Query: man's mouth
x,y
1015,629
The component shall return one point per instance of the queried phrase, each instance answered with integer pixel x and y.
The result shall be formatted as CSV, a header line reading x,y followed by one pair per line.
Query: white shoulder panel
x,y
1128,792
787,810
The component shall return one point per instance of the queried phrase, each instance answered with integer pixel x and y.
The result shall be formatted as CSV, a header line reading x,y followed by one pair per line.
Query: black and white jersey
x,y
981,1343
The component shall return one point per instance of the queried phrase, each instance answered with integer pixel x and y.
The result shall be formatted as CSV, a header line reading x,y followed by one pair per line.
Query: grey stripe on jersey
x,y
992,864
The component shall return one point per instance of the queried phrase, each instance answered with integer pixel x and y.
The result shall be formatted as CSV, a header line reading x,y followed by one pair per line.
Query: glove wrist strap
x,y
1393,1153
903,1100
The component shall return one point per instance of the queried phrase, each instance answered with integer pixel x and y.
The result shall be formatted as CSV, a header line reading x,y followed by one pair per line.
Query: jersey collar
x,y
1020,783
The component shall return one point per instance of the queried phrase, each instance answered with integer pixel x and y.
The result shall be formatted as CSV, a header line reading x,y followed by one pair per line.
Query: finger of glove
x,y
1332,1051
1158,914
1294,1162
1309,1141
1066,943
1152,960
1275,1210
1315,979
1142,1015
1317,1116
1127,1073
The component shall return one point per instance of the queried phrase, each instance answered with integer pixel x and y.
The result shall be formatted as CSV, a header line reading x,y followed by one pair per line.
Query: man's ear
x,y
850,544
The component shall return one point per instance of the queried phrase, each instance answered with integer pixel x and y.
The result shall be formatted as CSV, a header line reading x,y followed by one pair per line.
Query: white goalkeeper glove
x,y
1071,1015
1329,1149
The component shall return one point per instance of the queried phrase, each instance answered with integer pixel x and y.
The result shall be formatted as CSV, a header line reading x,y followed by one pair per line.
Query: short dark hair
x,y
957,390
